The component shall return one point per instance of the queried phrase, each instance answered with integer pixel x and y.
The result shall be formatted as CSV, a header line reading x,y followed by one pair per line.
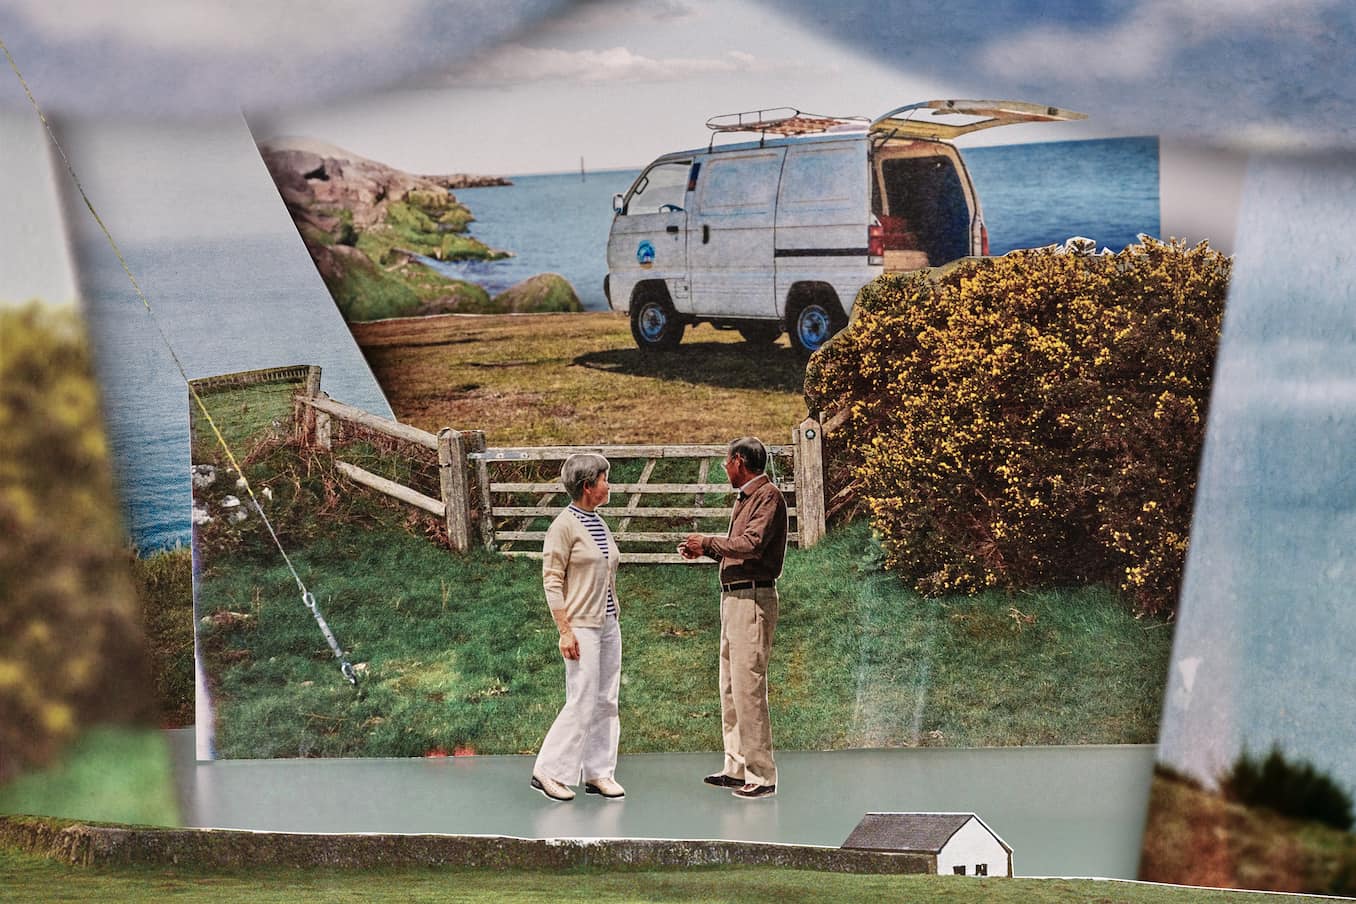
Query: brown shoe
x,y
721,780
753,792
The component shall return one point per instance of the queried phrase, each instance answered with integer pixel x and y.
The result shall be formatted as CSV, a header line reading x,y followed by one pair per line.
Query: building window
x,y
958,870
981,869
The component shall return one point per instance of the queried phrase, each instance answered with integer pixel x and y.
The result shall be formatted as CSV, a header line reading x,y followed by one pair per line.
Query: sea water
x,y
223,306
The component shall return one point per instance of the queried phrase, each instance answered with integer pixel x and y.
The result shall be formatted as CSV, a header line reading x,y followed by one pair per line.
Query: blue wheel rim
x,y
653,321
812,327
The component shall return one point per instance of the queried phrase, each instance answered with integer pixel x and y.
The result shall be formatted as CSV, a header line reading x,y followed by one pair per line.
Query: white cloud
x,y
1151,36
301,27
515,63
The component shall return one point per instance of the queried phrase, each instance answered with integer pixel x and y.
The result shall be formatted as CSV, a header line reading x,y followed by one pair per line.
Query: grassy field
x,y
109,774
27,878
460,652
533,379
1195,836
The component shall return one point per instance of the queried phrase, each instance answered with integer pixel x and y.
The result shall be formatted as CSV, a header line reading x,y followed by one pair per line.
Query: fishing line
x,y
307,598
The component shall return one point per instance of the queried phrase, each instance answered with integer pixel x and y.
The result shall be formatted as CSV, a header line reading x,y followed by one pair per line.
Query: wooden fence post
x,y
455,493
809,443
323,429
303,415
476,443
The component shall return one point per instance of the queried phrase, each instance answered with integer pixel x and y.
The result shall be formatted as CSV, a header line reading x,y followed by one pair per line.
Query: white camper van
x,y
780,232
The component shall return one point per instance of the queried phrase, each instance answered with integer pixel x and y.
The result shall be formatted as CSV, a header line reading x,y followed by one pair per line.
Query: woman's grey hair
x,y
752,451
580,470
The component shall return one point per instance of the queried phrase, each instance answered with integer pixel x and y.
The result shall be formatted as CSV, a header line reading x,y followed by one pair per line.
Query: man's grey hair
x,y
752,451
580,470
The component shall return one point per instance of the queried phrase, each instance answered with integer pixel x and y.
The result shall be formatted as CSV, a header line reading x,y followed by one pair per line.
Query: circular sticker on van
x,y
645,253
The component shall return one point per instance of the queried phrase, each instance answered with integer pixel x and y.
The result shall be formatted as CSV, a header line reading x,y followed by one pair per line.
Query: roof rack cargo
x,y
782,121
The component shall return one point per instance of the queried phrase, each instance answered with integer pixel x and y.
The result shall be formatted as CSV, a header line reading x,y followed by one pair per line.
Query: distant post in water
x,y
455,492
808,440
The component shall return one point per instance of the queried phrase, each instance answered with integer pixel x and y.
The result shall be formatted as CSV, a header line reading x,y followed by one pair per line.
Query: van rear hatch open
x,y
921,192
945,120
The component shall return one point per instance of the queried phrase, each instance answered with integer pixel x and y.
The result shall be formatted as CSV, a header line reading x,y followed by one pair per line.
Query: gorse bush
x,y
1294,789
71,647
1034,419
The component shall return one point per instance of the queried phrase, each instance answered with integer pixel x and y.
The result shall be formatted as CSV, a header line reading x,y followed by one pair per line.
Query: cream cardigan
x,y
574,573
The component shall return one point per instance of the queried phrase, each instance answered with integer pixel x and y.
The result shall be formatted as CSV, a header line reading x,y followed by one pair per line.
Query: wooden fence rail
x,y
471,500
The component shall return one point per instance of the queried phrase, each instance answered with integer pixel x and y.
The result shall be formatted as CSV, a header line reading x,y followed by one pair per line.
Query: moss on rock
x,y
543,293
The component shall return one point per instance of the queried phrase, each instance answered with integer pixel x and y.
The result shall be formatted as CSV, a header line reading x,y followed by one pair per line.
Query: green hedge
x,y
1034,419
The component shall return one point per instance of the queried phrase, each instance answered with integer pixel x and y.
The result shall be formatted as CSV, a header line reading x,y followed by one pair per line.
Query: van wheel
x,y
760,333
812,323
655,324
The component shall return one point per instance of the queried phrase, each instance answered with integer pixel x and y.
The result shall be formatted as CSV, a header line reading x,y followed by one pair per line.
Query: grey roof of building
x,y
923,832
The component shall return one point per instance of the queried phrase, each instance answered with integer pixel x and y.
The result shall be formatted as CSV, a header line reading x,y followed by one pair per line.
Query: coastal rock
x,y
310,174
538,294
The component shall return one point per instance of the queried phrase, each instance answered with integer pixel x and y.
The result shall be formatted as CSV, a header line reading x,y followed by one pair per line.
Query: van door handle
x,y
672,230
706,233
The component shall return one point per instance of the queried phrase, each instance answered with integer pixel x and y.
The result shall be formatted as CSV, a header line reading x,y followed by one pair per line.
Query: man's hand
x,y
691,547
569,645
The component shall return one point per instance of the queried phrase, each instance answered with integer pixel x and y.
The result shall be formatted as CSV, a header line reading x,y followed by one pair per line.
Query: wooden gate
x,y
668,490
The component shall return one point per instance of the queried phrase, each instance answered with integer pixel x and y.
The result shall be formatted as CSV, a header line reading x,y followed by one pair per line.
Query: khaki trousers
x,y
747,621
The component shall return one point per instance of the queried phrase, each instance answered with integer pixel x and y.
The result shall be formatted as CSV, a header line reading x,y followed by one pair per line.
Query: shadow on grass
x,y
729,365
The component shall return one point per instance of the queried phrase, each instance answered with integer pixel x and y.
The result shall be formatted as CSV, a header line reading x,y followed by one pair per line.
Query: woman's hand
x,y
569,644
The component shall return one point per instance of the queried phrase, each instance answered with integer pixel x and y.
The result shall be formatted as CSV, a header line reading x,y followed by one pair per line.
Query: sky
x,y
1264,73
621,83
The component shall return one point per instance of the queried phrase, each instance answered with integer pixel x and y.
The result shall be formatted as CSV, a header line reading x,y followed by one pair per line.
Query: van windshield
x,y
662,187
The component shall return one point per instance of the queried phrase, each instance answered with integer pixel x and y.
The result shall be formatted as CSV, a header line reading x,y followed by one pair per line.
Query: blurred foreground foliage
x,y
71,646
1033,420
1295,789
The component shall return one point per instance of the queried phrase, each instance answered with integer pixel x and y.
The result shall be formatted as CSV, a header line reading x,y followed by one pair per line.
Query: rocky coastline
x,y
366,224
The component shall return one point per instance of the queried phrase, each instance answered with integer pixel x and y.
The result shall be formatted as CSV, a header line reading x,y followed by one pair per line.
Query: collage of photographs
x,y
677,451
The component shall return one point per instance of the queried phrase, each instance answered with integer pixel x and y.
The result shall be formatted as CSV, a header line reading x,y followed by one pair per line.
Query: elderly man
x,y
750,562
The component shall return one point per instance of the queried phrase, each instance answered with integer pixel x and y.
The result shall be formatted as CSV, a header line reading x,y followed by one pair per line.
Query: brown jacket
x,y
756,545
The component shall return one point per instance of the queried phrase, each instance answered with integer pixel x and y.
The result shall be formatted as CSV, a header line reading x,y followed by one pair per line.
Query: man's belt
x,y
746,585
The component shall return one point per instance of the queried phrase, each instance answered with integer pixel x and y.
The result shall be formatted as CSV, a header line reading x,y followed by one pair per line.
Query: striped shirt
x,y
594,523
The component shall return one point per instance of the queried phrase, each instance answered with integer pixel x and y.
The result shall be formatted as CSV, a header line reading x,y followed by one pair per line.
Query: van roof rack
x,y
781,121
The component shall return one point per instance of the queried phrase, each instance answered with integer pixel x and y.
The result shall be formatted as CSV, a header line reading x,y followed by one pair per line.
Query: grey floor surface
x,y
1071,811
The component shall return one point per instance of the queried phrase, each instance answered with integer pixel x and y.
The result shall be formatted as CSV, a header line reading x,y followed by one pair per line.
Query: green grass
x,y
165,588
28,878
108,775
460,651
531,379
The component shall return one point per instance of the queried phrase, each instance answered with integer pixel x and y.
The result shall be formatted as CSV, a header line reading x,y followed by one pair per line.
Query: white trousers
x,y
582,742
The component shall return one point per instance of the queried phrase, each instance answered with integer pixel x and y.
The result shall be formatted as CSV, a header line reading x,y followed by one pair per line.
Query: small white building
x,y
959,844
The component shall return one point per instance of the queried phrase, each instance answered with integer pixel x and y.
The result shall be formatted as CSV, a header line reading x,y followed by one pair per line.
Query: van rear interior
x,y
918,195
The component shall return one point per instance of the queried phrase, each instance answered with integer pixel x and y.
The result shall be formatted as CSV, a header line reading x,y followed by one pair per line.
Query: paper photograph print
x,y
988,538
1256,766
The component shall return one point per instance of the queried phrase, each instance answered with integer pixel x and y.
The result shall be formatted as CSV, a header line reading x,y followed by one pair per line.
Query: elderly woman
x,y
579,574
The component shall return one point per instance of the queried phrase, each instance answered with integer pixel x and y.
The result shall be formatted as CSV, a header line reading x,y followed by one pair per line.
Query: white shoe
x,y
605,787
552,788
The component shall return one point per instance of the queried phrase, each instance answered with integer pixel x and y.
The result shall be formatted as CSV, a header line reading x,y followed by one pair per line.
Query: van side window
x,y
660,188
740,185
